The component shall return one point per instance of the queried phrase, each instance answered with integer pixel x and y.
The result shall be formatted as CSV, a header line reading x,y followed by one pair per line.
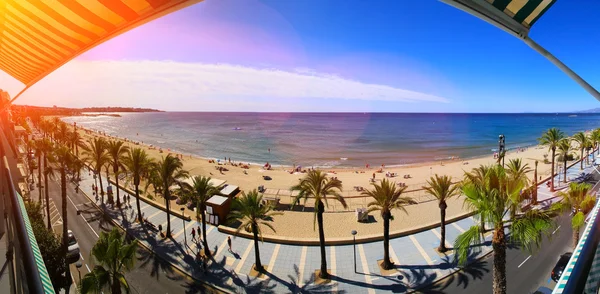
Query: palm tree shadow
x,y
474,271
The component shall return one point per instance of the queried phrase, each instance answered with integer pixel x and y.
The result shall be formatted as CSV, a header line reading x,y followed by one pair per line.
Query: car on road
x,y
73,249
560,266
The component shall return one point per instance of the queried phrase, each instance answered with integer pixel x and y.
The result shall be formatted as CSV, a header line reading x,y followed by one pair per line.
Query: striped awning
x,y
525,12
39,36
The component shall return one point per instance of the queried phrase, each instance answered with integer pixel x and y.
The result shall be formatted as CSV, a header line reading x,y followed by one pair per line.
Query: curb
x,y
215,288
339,241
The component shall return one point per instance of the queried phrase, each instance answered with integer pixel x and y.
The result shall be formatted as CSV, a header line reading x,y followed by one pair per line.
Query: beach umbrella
x,y
517,17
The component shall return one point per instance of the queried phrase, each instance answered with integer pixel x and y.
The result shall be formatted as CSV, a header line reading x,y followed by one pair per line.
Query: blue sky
x,y
364,56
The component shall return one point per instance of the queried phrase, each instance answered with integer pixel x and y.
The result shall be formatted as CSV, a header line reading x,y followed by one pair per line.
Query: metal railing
x,y
27,271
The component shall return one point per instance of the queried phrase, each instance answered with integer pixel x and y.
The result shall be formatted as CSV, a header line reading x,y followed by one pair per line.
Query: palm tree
x,y
477,177
97,156
250,210
38,149
62,133
139,164
65,159
117,152
442,189
202,189
114,257
47,148
317,185
171,173
564,147
492,198
516,172
595,138
582,141
76,141
580,201
155,181
386,197
551,138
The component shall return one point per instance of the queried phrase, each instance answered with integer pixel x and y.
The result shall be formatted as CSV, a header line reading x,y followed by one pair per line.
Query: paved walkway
x,y
291,267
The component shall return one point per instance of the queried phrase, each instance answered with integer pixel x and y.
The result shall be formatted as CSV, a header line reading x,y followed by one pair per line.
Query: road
x,y
150,275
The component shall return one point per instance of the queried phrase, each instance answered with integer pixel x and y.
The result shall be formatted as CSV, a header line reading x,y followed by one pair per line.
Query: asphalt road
x,y
150,275
525,272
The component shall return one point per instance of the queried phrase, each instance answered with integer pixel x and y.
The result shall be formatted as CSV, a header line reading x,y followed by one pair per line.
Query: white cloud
x,y
160,83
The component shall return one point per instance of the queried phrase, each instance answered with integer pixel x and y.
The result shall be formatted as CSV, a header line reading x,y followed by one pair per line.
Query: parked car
x,y
73,249
560,266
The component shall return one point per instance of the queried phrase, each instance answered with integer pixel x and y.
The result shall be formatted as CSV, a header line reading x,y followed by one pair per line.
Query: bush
x,y
50,246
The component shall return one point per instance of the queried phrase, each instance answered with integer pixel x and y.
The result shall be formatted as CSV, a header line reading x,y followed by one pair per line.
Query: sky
x,y
332,56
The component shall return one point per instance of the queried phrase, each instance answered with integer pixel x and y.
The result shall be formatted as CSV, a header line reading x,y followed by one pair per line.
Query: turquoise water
x,y
334,139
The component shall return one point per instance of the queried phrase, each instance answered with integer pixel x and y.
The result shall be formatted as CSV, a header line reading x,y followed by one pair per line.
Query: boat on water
x,y
237,129
573,115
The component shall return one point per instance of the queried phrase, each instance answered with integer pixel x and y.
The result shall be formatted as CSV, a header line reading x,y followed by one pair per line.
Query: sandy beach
x,y
300,224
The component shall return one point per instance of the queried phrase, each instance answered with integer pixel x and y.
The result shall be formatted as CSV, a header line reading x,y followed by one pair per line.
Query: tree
x,y
493,198
97,157
517,172
250,210
564,147
117,152
49,245
202,189
139,165
65,159
582,141
386,197
595,138
47,148
317,185
38,149
171,172
551,138
76,141
579,200
113,257
442,189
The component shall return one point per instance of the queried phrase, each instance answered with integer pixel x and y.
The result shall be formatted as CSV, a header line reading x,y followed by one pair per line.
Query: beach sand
x,y
342,221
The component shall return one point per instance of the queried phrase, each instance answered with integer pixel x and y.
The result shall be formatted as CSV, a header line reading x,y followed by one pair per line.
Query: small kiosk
x,y
217,208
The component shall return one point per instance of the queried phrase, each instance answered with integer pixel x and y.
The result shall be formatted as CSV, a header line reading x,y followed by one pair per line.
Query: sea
x,y
334,139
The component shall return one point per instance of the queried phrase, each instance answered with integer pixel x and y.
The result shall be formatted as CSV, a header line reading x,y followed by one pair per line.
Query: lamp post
x,y
354,242
184,234
79,265
535,187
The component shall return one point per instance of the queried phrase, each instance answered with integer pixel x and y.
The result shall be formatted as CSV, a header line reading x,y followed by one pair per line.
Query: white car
x,y
73,249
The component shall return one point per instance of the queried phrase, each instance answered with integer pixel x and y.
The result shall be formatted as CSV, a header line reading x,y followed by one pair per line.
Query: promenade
x,y
291,267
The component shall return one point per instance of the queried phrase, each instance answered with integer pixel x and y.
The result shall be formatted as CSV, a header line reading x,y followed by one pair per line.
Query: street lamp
x,y
79,265
184,234
354,242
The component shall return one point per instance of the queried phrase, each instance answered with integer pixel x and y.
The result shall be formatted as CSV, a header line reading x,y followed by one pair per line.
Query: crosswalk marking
x,y
458,228
421,250
187,229
334,288
393,255
154,214
271,265
365,267
238,268
439,235
301,266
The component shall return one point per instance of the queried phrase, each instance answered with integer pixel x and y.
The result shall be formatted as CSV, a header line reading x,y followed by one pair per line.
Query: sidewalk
x,y
290,268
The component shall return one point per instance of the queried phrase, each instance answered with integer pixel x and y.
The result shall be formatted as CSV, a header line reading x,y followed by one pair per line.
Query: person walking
x,y
193,234
199,233
229,243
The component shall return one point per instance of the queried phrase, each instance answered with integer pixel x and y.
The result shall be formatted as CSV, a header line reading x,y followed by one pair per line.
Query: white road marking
x,y
458,227
244,256
81,256
88,268
301,265
365,267
555,230
526,259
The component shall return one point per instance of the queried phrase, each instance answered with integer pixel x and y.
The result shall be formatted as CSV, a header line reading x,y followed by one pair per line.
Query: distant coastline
x,y
86,111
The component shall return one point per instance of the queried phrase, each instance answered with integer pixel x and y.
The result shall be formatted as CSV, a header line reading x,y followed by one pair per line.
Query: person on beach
x,y
373,176
229,243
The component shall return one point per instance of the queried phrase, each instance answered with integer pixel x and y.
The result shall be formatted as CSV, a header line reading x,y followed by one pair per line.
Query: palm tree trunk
x,y
46,192
387,264
115,285
581,163
63,194
168,205
442,247
116,170
40,175
101,188
499,248
137,203
320,209
552,172
565,170
207,252
257,264
575,237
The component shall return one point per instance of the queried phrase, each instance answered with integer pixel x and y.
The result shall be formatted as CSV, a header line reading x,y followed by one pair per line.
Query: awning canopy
x,y
39,36
514,16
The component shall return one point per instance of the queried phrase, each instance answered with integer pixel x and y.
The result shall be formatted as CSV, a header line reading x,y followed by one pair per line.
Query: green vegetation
x,y
317,185
551,138
442,189
577,199
250,210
